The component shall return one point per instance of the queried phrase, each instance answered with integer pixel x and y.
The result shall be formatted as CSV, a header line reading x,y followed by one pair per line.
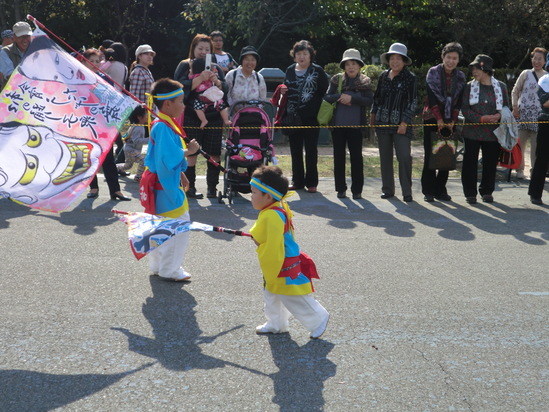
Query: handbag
x,y
443,150
326,111
510,159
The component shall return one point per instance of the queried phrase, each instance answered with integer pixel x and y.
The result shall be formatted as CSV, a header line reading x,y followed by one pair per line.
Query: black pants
x,y
119,151
305,174
433,181
352,138
490,155
111,174
537,180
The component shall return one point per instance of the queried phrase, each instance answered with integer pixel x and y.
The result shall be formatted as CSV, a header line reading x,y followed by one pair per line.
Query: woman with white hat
x,y
395,103
352,93
141,78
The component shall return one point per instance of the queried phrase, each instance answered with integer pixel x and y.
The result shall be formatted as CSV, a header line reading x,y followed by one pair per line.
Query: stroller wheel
x,y
230,197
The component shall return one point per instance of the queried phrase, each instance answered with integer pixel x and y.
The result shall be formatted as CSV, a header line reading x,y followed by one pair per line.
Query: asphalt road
x,y
435,307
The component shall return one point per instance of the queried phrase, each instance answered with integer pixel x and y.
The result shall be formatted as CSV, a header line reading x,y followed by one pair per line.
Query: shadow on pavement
x,y
299,382
24,391
177,336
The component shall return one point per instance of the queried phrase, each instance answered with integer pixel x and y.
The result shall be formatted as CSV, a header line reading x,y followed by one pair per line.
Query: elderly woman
x,y
526,105
483,99
209,138
352,93
395,102
445,85
244,83
305,85
537,181
141,78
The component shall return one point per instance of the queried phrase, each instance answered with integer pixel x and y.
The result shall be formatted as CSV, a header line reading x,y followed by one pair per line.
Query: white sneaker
x,y
317,333
180,276
265,329
520,174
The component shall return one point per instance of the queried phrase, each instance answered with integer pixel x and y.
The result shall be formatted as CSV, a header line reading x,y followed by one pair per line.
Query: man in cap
x,y
11,55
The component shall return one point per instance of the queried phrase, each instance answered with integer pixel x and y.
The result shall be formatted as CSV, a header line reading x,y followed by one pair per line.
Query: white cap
x,y
144,48
22,28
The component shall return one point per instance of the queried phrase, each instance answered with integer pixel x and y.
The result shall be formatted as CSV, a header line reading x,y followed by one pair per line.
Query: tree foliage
x,y
506,30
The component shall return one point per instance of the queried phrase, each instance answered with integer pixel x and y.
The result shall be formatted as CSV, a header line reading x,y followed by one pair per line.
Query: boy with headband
x,y
287,273
166,156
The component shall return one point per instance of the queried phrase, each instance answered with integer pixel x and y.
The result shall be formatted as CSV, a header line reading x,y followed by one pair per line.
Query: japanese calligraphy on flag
x,y
58,120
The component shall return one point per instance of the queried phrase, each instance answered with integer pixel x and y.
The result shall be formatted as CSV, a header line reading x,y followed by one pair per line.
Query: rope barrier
x,y
345,127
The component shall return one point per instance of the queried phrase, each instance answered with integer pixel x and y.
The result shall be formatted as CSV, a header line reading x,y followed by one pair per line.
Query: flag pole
x,y
184,136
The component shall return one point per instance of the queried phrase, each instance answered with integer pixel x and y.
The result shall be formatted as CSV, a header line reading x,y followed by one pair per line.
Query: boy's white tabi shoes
x,y
317,333
181,276
265,329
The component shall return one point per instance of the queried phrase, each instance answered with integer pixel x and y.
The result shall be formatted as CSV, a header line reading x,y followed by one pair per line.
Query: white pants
x,y
166,259
305,308
524,136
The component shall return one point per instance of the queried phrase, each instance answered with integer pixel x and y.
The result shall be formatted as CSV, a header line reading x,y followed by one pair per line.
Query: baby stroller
x,y
248,146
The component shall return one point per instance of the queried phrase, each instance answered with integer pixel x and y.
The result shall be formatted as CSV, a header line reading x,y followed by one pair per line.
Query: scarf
x,y
436,80
475,91
358,83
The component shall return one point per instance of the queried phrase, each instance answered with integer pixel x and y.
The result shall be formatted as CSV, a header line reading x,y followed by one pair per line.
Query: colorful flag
x,y
58,120
147,232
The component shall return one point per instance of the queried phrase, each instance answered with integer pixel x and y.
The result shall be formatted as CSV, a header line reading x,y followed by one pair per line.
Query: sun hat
x,y
22,28
248,50
396,48
351,54
144,48
7,33
483,62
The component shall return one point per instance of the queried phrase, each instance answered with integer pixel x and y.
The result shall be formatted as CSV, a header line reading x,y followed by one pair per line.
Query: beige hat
x,y
22,28
351,54
144,48
396,48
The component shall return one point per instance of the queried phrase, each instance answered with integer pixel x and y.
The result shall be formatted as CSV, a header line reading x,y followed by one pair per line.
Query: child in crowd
x,y
166,156
133,143
287,273
206,94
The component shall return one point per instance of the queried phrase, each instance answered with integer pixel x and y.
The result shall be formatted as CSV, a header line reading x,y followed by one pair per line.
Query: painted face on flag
x,y
49,65
41,162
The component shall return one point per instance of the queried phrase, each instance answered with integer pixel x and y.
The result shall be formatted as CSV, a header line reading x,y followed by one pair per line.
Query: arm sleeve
x,y
268,231
518,87
182,76
505,93
377,93
6,64
138,135
470,115
332,94
262,88
410,109
165,143
543,96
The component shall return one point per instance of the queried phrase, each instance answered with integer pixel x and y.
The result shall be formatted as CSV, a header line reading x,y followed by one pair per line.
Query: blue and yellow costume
x,y
166,158
287,273
274,247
